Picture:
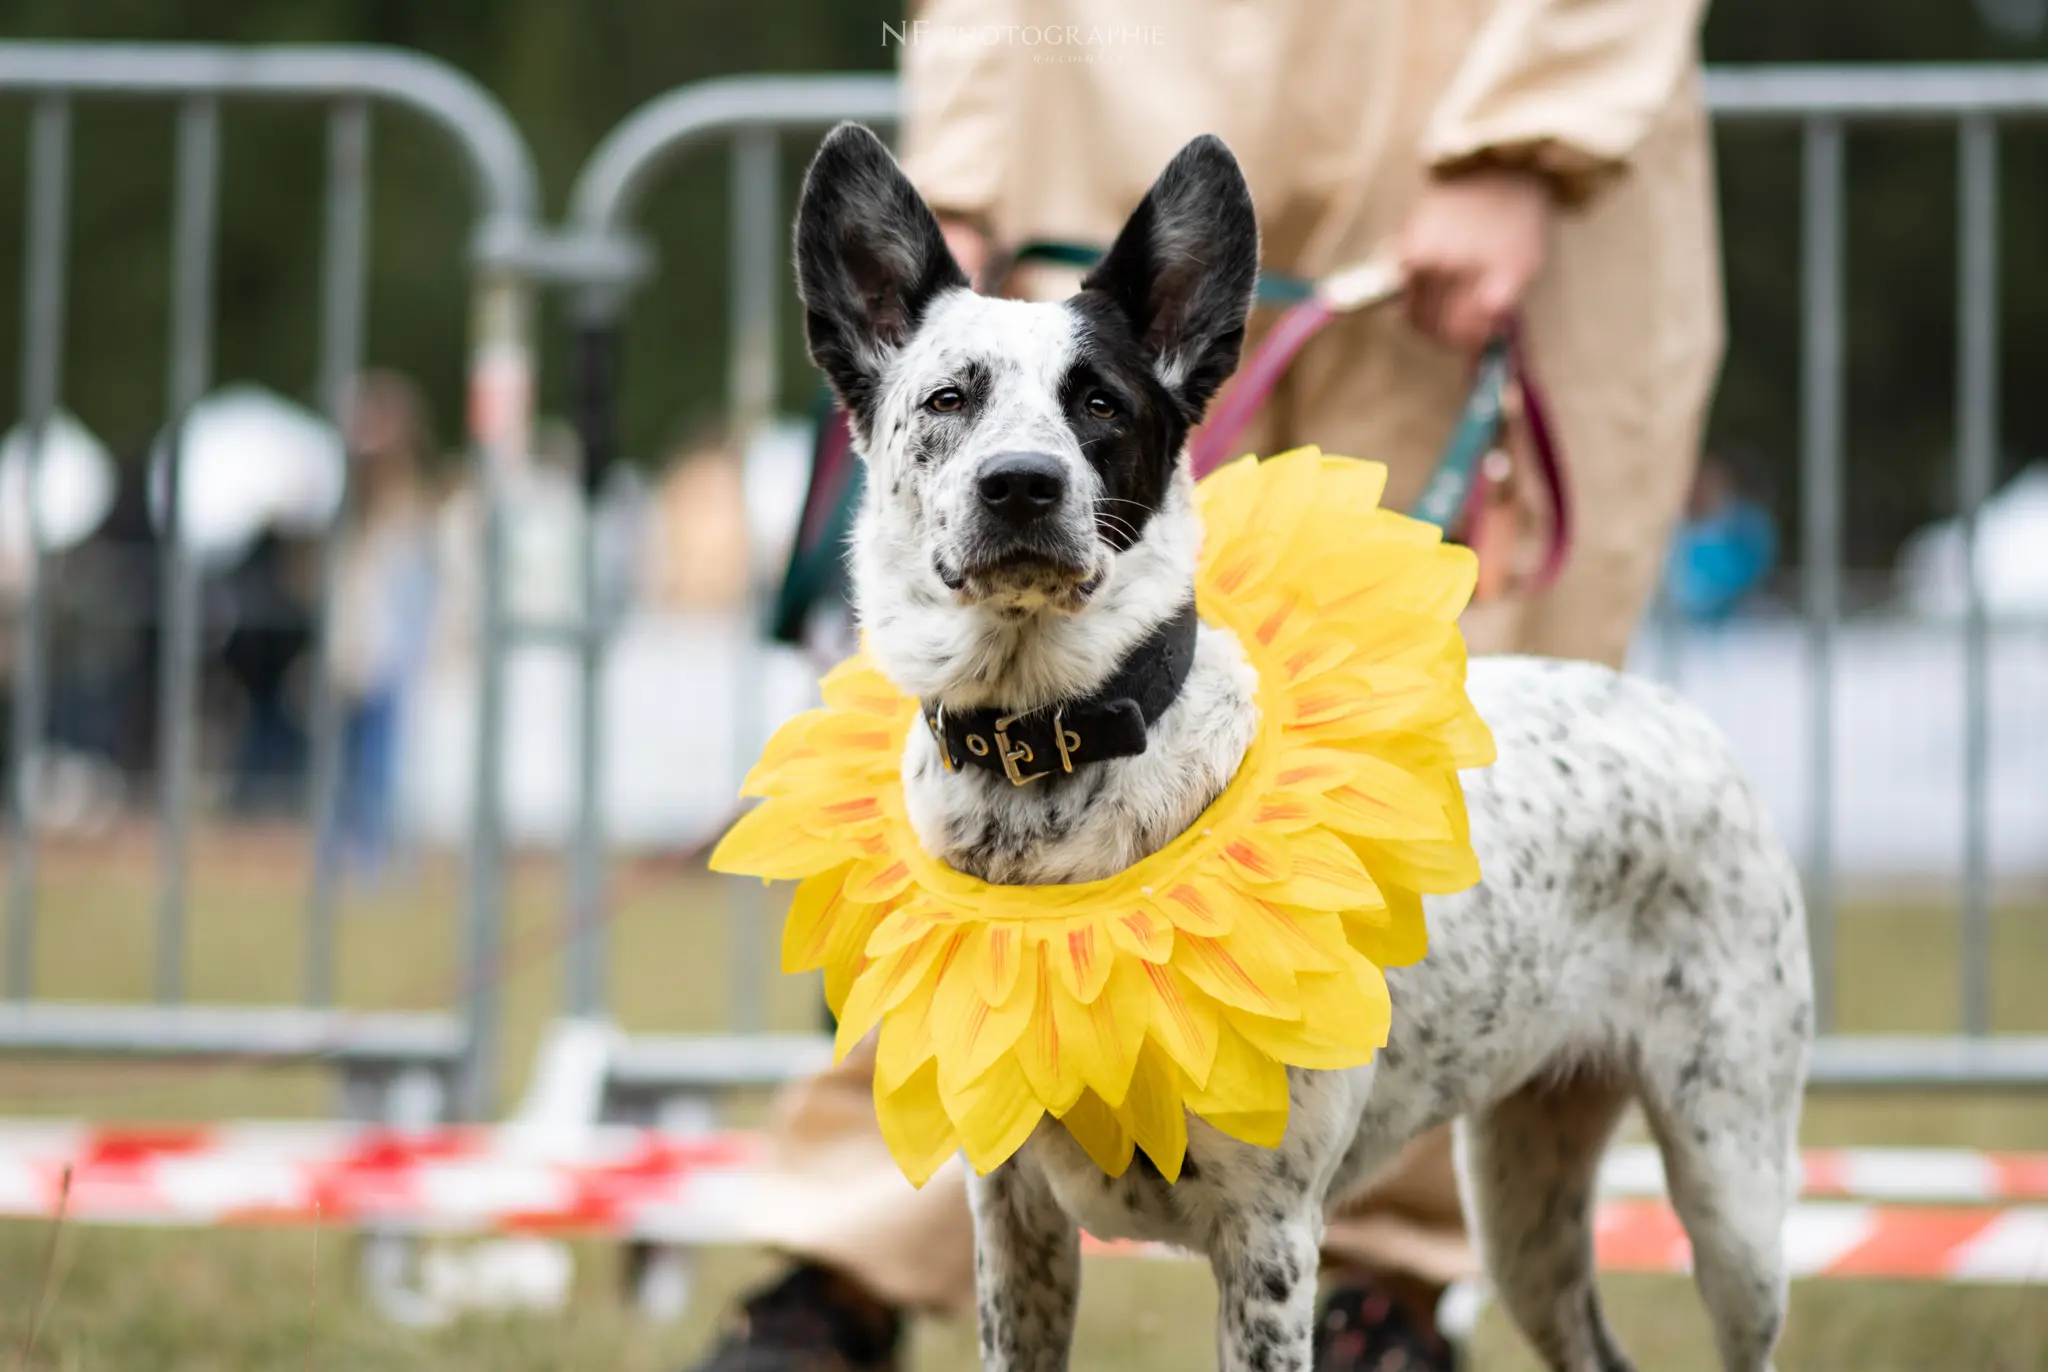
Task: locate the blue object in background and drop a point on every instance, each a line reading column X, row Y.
column 1717, row 559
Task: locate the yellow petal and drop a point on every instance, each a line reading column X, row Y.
column 1244, row 1081
column 1143, row 933
column 1327, row 875
column 996, row 953
column 1467, row 738
column 874, row 882
column 1289, row 485
column 994, row 1113
column 770, row 841
column 905, row 1043
column 851, row 929
column 1083, row 955
column 1395, row 937
column 1225, row 498
column 1434, row 868
column 1344, row 1019
column 1180, row 1019
column 885, row 984
column 1153, row 1114
column 1305, row 940
column 859, row 686
column 1383, row 801
column 1314, row 656
column 1260, row 855
column 1041, row 1049
column 1436, row 584
column 1199, row 906
column 969, row 1032
column 1100, row 1040
column 790, row 741
column 916, row 1127
column 1251, row 983
column 807, row 929
column 1101, row 1135
column 903, row 926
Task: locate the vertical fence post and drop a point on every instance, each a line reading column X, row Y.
column 500, row 421
column 341, row 350
column 596, row 410
column 191, row 365
column 42, row 356
column 1821, row 466
column 757, row 261
column 1976, row 471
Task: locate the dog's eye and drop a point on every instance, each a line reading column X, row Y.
column 945, row 401
column 1101, row 406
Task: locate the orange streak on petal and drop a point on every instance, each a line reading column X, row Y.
column 1176, row 1004
column 826, row 918
column 1252, row 858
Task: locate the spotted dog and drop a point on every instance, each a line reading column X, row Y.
column 1028, row 533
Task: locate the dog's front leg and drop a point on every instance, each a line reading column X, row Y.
column 1027, row 1271
column 1266, row 1290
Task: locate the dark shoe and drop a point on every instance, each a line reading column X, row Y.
column 1363, row 1328
column 812, row 1320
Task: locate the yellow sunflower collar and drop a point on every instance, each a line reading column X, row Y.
column 1191, row 981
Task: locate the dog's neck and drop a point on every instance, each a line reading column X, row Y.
column 971, row 657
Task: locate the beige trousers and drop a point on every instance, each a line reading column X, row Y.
column 1367, row 388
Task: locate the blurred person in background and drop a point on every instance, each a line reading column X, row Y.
column 1541, row 164
column 696, row 559
column 383, row 604
column 269, row 597
column 1726, row 546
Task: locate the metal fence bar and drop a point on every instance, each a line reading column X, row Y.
column 1911, row 92
column 1976, row 471
column 191, row 366
column 597, row 361
column 343, row 270
column 1821, row 464
column 757, row 233
column 501, row 372
column 44, row 264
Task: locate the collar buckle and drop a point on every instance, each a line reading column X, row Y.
column 1011, row 756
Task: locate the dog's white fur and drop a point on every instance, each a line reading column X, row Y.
column 1638, row 934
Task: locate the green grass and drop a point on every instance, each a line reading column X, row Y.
column 245, row 1300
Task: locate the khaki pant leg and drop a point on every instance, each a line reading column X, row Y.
column 1370, row 388
column 832, row 1194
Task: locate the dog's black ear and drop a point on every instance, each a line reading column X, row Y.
column 869, row 259
column 1184, row 268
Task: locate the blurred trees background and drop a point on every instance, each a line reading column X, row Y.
column 568, row 71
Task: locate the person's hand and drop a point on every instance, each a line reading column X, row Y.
column 1470, row 250
column 969, row 246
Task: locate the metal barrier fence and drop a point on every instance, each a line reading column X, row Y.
column 600, row 258
column 373, row 1053
column 1820, row 102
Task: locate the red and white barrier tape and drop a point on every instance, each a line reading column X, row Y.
column 1983, row 1219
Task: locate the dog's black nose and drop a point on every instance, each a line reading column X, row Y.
column 1020, row 487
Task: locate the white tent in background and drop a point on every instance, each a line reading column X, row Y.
column 75, row 486
column 2012, row 554
column 252, row 460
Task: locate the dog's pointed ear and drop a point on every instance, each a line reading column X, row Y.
column 869, row 260
column 1184, row 268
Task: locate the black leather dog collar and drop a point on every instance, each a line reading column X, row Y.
column 1053, row 741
